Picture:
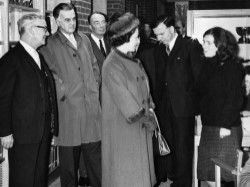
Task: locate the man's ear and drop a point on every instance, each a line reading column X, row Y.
column 172, row 29
column 90, row 27
column 30, row 30
column 57, row 21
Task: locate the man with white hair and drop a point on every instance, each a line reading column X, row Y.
column 28, row 114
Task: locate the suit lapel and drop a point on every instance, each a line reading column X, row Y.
column 25, row 56
column 174, row 51
column 96, row 49
column 66, row 41
column 107, row 46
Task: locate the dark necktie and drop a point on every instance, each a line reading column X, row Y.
column 102, row 49
column 167, row 49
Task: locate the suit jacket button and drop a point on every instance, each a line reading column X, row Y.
column 166, row 84
column 79, row 68
column 74, row 55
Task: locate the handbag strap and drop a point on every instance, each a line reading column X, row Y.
column 156, row 120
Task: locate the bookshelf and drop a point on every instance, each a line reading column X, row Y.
column 10, row 12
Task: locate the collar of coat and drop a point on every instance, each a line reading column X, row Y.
column 61, row 36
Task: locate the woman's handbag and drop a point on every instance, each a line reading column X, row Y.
column 160, row 144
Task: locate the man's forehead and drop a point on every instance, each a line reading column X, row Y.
column 160, row 28
column 39, row 22
column 97, row 17
column 67, row 14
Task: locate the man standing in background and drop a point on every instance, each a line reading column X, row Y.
column 101, row 48
column 100, row 45
column 28, row 111
column 77, row 75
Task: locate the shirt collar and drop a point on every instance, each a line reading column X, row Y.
column 32, row 52
column 172, row 42
column 67, row 35
column 97, row 39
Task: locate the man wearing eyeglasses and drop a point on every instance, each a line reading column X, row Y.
column 178, row 63
column 28, row 112
column 77, row 75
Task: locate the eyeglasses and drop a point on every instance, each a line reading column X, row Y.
column 42, row 27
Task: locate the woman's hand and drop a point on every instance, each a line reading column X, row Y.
column 224, row 132
column 150, row 126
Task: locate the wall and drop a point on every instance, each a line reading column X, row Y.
column 83, row 8
column 146, row 10
column 114, row 6
column 100, row 5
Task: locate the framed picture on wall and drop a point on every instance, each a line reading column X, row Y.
column 198, row 21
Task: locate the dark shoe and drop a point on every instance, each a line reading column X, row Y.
column 83, row 181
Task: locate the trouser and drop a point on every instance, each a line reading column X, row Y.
column 28, row 165
column 179, row 133
column 69, row 163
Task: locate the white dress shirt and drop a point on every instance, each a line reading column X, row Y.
column 97, row 42
column 172, row 42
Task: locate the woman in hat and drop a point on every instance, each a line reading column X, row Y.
column 127, row 128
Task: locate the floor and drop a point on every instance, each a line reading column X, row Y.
column 56, row 183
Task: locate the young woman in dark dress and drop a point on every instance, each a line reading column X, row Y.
column 221, row 98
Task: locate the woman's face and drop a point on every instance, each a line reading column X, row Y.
column 209, row 47
column 134, row 41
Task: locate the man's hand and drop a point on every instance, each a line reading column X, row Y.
column 224, row 132
column 150, row 123
column 7, row 141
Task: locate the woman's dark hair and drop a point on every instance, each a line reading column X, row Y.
column 122, row 29
column 225, row 42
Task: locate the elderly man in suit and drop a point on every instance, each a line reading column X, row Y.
column 178, row 63
column 27, row 106
column 77, row 75
column 101, row 47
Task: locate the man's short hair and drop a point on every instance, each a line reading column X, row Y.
column 24, row 20
column 62, row 6
column 97, row 12
column 166, row 20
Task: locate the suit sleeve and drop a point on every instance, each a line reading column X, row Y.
column 115, row 80
column 61, row 87
column 196, row 58
column 7, row 86
column 95, row 67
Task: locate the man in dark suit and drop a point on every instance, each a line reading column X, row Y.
column 177, row 66
column 100, row 45
column 28, row 113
